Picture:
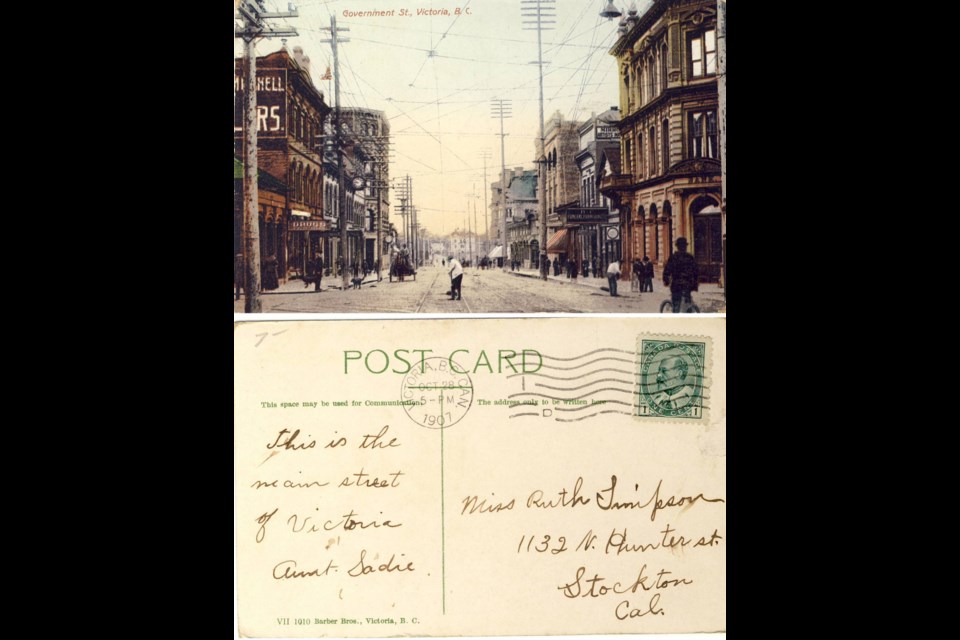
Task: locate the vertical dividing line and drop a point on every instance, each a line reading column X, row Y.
column 443, row 528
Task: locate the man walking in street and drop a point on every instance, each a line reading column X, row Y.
column 456, row 278
column 613, row 274
column 314, row 272
column 647, row 275
column 680, row 274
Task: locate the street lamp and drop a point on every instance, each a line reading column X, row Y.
column 610, row 11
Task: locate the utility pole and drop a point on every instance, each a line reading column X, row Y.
column 253, row 15
column 501, row 108
column 469, row 241
column 536, row 9
column 722, row 90
column 334, row 40
column 475, row 216
column 485, row 154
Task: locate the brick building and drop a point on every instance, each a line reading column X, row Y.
column 560, row 180
column 291, row 116
column 670, row 183
column 522, row 217
column 368, row 139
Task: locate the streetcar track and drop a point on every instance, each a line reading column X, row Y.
column 423, row 298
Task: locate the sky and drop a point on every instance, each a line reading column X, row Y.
column 439, row 105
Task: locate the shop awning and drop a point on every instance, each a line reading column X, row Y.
column 558, row 242
column 297, row 212
column 497, row 252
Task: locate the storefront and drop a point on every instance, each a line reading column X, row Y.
column 303, row 242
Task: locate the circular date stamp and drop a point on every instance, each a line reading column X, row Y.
column 437, row 394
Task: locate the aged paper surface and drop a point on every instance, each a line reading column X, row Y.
column 509, row 476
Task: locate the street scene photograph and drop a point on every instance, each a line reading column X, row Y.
column 479, row 156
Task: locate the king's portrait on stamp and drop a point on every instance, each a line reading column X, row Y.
column 671, row 378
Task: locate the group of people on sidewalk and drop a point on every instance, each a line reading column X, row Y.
column 680, row 273
column 572, row 268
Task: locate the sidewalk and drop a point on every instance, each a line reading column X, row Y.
column 709, row 298
column 297, row 286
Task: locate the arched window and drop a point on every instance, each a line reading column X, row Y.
column 656, row 238
column 663, row 68
column 665, row 144
column 652, row 76
column 640, row 174
column 652, row 139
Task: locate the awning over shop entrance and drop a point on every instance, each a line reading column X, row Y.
column 558, row 242
column 496, row 253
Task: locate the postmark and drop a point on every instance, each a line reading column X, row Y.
column 673, row 378
column 438, row 394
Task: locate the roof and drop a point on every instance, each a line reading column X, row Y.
column 264, row 180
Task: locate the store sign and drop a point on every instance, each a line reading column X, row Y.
column 271, row 102
column 592, row 215
column 608, row 132
column 307, row 225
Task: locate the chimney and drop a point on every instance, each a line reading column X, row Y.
column 305, row 63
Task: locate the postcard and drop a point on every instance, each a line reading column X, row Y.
column 479, row 156
column 483, row 476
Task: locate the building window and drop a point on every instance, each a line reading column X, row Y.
column 703, row 53
column 663, row 69
column 665, row 143
column 653, row 150
column 702, row 130
column 640, row 156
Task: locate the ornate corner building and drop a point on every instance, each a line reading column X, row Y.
column 669, row 180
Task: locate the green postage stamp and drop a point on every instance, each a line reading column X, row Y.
column 673, row 377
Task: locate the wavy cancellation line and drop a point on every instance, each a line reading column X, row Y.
column 580, row 366
column 543, row 395
column 583, row 386
column 581, row 375
column 588, row 353
column 626, row 413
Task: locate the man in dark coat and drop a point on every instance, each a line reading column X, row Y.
column 646, row 275
column 270, row 277
column 636, row 275
column 680, row 274
column 314, row 272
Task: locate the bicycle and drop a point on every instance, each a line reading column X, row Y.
column 685, row 307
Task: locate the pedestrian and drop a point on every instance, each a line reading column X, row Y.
column 636, row 276
column 613, row 274
column 586, row 268
column 680, row 274
column 647, row 275
column 238, row 273
column 271, row 280
column 596, row 271
column 556, row 266
column 456, row 278
column 574, row 269
column 314, row 272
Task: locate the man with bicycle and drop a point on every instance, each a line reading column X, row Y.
column 680, row 274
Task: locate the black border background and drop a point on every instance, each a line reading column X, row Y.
column 181, row 307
